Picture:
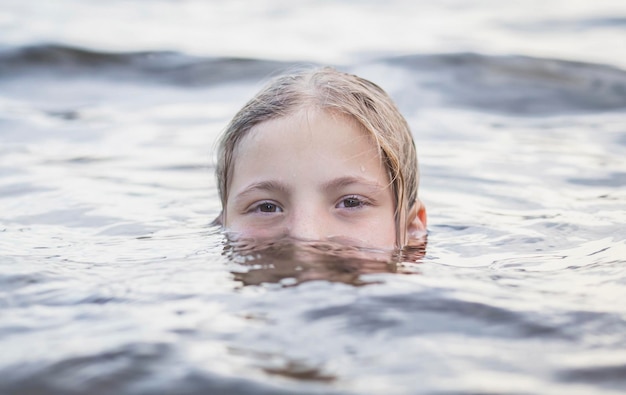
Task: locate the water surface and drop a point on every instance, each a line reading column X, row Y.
column 113, row 281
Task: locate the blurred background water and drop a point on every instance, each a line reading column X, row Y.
column 112, row 281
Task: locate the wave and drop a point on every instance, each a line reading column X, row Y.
column 517, row 84
column 514, row 84
column 156, row 66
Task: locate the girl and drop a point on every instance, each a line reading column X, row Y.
column 321, row 155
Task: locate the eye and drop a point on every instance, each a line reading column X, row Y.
column 267, row 207
column 351, row 202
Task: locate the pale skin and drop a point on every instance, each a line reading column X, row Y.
column 314, row 175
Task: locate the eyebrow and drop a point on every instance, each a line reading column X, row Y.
column 342, row 182
column 337, row 183
column 268, row 186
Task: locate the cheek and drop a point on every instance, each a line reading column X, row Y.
column 246, row 226
column 385, row 233
column 375, row 233
column 242, row 228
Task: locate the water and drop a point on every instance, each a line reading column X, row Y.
column 113, row 281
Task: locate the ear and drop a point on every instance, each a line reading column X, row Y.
column 416, row 222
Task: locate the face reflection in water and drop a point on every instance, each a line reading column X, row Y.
column 291, row 262
column 312, row 175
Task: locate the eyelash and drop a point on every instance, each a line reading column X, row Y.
column 359, row 200
column 257, row 207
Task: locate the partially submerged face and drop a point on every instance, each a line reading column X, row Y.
column 312, row 175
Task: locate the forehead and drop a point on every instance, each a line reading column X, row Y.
column 309, row 125
column 329, row 142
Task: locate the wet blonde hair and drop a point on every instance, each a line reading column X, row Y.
column 340, row 93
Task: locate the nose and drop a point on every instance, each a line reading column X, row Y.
column 308, row 225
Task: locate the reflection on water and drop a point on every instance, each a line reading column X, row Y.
column 289, row 261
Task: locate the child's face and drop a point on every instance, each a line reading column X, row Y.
column 312, row 175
